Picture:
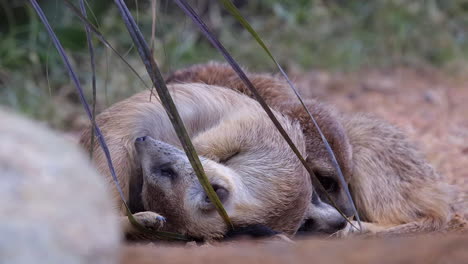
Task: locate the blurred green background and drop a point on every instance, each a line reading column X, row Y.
column 334, row 35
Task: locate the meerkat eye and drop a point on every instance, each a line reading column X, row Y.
column 328, row 182
column 165, row 170
column 226, row 159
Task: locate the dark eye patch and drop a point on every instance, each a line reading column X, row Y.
column 165, row 170
column 330, row 184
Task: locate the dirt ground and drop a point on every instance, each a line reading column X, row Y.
column 418, row 250
column 429, row 106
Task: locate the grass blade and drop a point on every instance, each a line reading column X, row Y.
column 101, row 38
column 93, row 77
column 153, row 25
column 169, row 106
column 97, row 130
column 215, row 42
column 236, row 13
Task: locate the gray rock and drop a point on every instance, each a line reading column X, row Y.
column 54, row 207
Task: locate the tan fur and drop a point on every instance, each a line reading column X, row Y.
column 390, row 181
column 392, row 184
column 263, row 176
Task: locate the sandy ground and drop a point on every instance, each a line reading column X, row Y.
column 429, row 106
column 417, row 250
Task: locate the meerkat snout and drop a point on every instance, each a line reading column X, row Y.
column 321, row 218
column 157, row 157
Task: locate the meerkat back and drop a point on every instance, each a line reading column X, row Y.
column 392, row 183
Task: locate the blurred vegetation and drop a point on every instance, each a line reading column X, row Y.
column 327, row 34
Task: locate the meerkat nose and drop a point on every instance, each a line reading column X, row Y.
column 140, row 139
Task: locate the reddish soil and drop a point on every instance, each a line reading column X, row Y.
column 421, row 249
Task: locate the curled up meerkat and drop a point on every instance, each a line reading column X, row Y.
column 254, row 172
column 395, row 189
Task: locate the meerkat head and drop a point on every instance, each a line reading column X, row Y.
column 318, row 157
column 171, row 188
column 248, row 190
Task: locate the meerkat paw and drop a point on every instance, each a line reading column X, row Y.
column 150, row 220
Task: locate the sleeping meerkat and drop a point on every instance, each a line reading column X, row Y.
column 393, row 186
column 252, row 169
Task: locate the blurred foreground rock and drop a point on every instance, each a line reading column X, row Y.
column 54, row 207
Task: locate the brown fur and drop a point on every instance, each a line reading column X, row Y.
column 261, row 176
column 390, row 181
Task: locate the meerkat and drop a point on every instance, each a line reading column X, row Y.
column 395, row 189
column 251, row 168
